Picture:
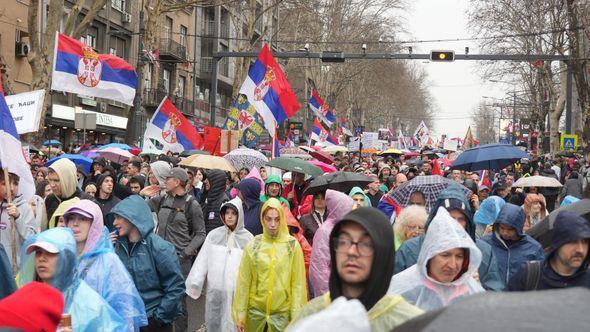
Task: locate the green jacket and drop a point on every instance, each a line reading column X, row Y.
column 274, row 179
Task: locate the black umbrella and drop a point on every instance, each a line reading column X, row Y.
column 550, row 310
column 542, row 230
column 340, row 181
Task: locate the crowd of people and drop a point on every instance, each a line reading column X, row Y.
column 120, row 247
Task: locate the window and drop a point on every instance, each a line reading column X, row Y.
column 166, row 80
column 89, row 40
column 183, row 33
column 118, row 5
column 113, row 51
column 181, row 85
column 149, row 69
column 168, row 28
column 118, row 46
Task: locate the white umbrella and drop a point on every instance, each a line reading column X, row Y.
column 246, row 158
column 537, row 181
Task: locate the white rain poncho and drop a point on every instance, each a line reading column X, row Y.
column 414, row 284
column 219, row 262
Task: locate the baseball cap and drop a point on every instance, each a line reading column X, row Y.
column 77, row 210
column 49, row 247
column 178, row 173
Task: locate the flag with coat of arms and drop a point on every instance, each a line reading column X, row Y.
column 242, row 116
column 321, row 109
column 321, row 135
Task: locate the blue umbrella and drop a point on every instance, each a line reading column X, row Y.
column 488, row 157
column 75, row 158
column 52, row 142
column 116, row 145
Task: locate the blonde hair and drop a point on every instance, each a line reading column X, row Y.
column 412, row 213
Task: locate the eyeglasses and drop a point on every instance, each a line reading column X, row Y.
column 342, row 245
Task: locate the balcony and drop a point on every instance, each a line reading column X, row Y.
column 153, row 97
column 210, row 28
column 171, row 50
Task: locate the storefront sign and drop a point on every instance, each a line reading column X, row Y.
column 26, row 110
column 107, row 120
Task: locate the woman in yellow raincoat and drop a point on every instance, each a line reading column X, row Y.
column 271, row 287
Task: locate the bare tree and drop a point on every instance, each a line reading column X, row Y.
column 483, row 118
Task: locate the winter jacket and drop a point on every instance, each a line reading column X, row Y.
column 489, row 272
column 571, row 187
column 151, row 262
column 549, row 193
column 511, row 255
column 250, row 189
column 180, row 221
column 296, row 232
column 338, row 205
column 26, row 225
column 418, row 287
column 271, row 288
column 7, row 284
column 218, row 264
column 296, row 201
column 567, row 227
column 105, row 204
column 215, row 198
column 274, row 179
column 88, row 310
column 103, row 271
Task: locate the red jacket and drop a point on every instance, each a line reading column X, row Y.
column 292, row 222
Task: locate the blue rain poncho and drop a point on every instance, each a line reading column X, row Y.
column 100, row 267
column 487, row 213
column 358, row 190
column 89, row 311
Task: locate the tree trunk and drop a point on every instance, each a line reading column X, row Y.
column 557, row 111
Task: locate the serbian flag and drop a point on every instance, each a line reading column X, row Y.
column 12, row 157
column 345, row 129
column 77, row 68
column 268, row 90
column 321, row 109
column 321, row 135
column 169, row 127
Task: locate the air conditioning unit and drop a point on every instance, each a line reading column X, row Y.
column 102, row 106
column 22, row 49
column 126, row 17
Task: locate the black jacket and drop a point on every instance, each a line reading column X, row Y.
column 52, row 201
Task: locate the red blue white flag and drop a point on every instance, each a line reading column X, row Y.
column 269, row 91
column 77, row 68
column 321, row 135
column 321, row 109
column 344, row 127
column 169, row 127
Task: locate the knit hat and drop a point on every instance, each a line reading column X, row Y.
column 41, row 314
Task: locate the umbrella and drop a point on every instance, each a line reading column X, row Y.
column 309, row 149
column 322, row 156
column 340, row 181
column 188, row 153
column 295, row 165
column 92, row 153
column 542, row 230
column 430, row 185
column 325, row 167
column 75, row 158
column 410, row 154
column 248, row 158
column 497, row 311
column 391, row 152
column 52, row 142
column 487, row 157
column 152, row 152
column 537, row 181
column 335, row 148
column 116, row 145
column 115, row 155
column 292, row 151
column 207, row 162
column 135, row 150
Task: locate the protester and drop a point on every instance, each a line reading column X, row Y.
column 373, row 192
column 273, row 188
column 159, row 170
column 7, row 284
column 136, row 184
column 510, row 245
column 293, row 192
column 99, row 266
column 43, row 189
column 105, row 197
column 216, row 197
column 151, row 261
column 455, row 201
column 572, row 186
column 216, row 265
column 487, row 213
column 566, row 265
column 409, row 224
column 270, row 291
column 359, row 197
column 249, row 193
column 287, row 179
column 50, row 257
column 296, row 232
column 534, row 210
column 338, row 205
column 550, row 193
column 20, row 312
column 315, row 206
column 446, row 266
column 417, row 198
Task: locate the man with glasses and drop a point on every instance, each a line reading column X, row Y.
column 362, row 257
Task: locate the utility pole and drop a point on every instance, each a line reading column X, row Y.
column 514, row 115
column 137, row 115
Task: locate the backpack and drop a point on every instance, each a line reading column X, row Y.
column 188, row 200
column 533, row 275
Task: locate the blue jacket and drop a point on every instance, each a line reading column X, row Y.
column 511, row 255
column 152, row 262
column 250, row 189
column 489, row 274
column 7, row 283
column 567, row 227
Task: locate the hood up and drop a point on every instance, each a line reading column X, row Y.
column 453, row 192
column 255, row 174
column 274, row 179
column 250, row 189
column 239, row 237
column 569, row 227
column 338, row 204
column 358, row 190
column 136, row 210
column 85, row 207
column 489, row 210
column 67, row 172
column 160, row 169
column 61, row 209
column 513, row 216
column 283, row 234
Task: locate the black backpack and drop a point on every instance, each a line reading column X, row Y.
column 533, row 275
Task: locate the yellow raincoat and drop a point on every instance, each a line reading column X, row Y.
column 271, row 287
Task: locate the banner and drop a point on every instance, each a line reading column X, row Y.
column 422, row 133
column 25, row 109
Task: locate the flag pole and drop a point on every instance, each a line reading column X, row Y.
column 273, row 147
column 12, row 222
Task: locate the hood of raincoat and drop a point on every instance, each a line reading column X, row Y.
column 489, row 210
column 215, row 197
column 136, row 211
column 567, row 200
column 235, row 203
column 61, row 238
column 377, row 225
column 61, row 209
column 358, row 190
column 85, row 207
column 569, row 227
column 161, row 169
column 513, row 216
column 224, row 236
column 445, row 233
column 338, row 204
column 68, row 180
column 255, row 174
column 274, row 179
column 453, row 192
column 283, row 234
column 250, row 189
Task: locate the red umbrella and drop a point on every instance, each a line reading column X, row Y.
column 325, row 167
column 135, row 151
column 322, row 156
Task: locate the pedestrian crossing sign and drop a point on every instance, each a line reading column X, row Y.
column 569, row 142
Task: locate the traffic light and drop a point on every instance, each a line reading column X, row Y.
column 442, row 56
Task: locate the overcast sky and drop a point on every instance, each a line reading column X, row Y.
column 456, row 87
